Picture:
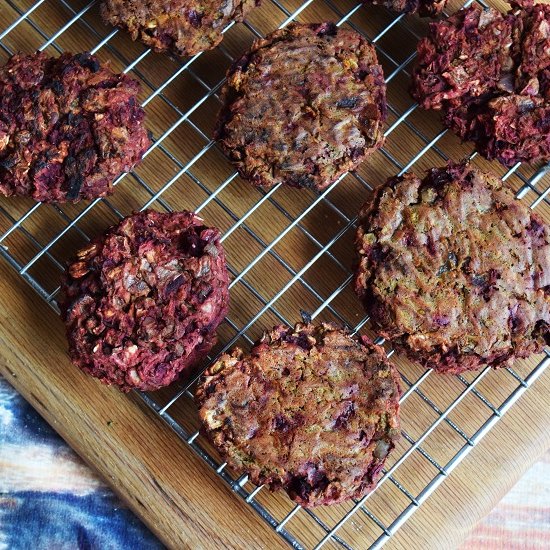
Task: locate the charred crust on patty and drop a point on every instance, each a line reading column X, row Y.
column 68, row 127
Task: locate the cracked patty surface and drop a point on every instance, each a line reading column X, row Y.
column 303, row 106
column 454, row 270
column 489, row 74
column 425, row 8
column 183, row 27
column 311, row 410
column 68, row 127
column 142, row 302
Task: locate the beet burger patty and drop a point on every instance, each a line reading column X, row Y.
column 303, row 106
column 454, row 270
column 68, row 127
column 489, row 75
column 142, row 302
column 424, row 8
column 311, row 410
column 182, row 27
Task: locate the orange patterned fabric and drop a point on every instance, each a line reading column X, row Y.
column 521, row 520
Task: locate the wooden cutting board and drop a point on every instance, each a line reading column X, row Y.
column 175, row 494
column 173, row 491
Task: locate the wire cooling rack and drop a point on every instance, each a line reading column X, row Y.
column 288, row 250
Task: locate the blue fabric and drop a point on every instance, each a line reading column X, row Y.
column 31, row 518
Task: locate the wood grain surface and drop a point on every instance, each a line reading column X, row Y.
column 176, row 495
column 300, row 244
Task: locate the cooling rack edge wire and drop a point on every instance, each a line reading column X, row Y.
column 329, row 528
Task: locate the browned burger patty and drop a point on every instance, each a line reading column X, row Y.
column 68, row 127
column 489, row 74
column 142, row 302
column 312, row 410
column 425, row 8
column 183, row 27
column 454, row 270
column 303, row 106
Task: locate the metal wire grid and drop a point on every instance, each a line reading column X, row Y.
column 330, row 533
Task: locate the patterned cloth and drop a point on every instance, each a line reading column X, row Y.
column 50, row 499
column 521, row 520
